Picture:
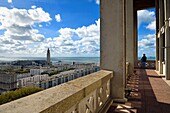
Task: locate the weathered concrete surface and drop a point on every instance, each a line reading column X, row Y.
column 161, row 22
column 167, row 39
column 130, row 35
column 112, row 44
column 157, row 30
column 135, row 39
column 60, row 98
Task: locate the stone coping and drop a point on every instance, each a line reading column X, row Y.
column 60, row 98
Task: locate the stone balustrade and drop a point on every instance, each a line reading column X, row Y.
column 150, row 64
column 127, row 68
column 127, row 72
column 88, row 94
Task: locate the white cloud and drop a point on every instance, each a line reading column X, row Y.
column 33, row 7
column 152, row 26
column 150, row 36
column 9, row 1
column 145, row 16
column 40, row 25
column 83, row 41
column 18, row 23
column 147, row 42
column 21, row 38
column 58, row 18
column 19, row 33
column 147, row 45
column 98, row 2
column 22, row 17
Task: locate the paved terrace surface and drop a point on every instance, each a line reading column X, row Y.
column 150, row 94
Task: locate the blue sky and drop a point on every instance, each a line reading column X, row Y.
column 146, row 32
column 70, row 28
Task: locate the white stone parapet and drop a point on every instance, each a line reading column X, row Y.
column 86, row 94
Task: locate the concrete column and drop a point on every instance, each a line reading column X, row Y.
column 157, row 30
column 161, row 22
column 112, row 44
column 129, row 35
column 157, row 53
column 135, row 39
column 167, row 39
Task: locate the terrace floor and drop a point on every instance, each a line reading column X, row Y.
column 150, row 94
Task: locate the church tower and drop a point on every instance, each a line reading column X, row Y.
column 48, row 56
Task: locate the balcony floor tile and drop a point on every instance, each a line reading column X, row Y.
column 150, row 94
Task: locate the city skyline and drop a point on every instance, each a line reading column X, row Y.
column 68, row 28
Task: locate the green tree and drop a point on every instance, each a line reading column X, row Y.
column 13, row 95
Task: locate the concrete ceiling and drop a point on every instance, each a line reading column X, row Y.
column 143, row 4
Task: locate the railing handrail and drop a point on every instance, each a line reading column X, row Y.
column 150, row 64
column 60, row 98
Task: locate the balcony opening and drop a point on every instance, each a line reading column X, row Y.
column 146, row 33
column 46, row 43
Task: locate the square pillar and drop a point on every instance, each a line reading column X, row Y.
column 130, row 35
column 161, row 22
column 167, row 39
column 112, row 44
column 135, row 43
column 157, row 30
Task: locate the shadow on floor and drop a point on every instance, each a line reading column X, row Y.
column 150, row 94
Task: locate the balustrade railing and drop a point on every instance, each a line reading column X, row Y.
column 88, row 94
column 150, row 64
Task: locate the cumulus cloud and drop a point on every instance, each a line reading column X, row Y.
column 33, row 7
column 40, row 25
column 58, row 18
column 22, row 17
column 19, row 32
column 18, row 23
column 148, row 41
column 9, row 1
column 152, row 26
column 86, row 43
column 150, row 36
column 21, row 38
column 145, row 16
column 98, row 2
column 147, row 45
